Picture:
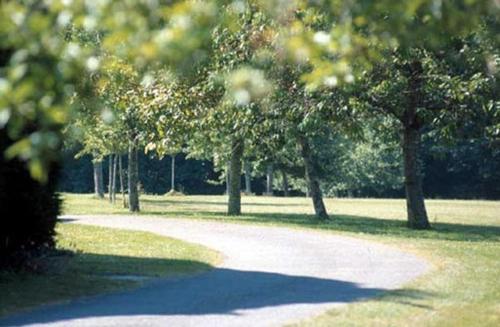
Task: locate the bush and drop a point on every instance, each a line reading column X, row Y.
column 28, row 212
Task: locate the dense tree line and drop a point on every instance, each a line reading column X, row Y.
column 466, row 170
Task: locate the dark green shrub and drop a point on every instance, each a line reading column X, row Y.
column 28, row 213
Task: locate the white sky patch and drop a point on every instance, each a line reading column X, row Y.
column 92, row 64
column 322, row 38
column 107, row 116
column 73, row 50
column 331, row 81
column 18, row 18
column 89, row 23
column 242, row 97
column 64, row 18
column 4, row 86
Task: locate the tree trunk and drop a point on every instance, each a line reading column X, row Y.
column 113, row 184
column 415, row 205
column 248, row 178
column 133, row 178
column 110, row 178
column 234, row 202
column 312, row 179
column 98, row 180
column 172, row 175
column 228, row 173
column 285, row 183
column 122, row 184
column 269, row 179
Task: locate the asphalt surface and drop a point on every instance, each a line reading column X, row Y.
column 270, row 276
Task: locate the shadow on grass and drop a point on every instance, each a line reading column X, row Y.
column 165, row 202
column 221, row 291
column 68, row 275
column 353, row 224
column 407, row 296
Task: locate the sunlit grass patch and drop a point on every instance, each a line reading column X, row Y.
column 90, row 261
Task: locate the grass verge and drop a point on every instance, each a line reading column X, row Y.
column 462, row 290
column 89, row 261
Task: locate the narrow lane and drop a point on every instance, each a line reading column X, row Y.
column 270, row 276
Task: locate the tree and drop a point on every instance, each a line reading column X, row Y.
column 98, row 179
column 122, row 90
column 248, row 177
column 230, row 95
column 422, row 92
column 354, row 35
column 300, row 115
column 367, row 164
column 269, row 179
column 31, row 117
column 168, row 118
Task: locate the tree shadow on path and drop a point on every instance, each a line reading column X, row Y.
column 220, row 291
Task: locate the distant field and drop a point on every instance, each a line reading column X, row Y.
column 278, row 210
column 464, row 246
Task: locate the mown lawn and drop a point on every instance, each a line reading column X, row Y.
column 94, row 260
column 463, row 289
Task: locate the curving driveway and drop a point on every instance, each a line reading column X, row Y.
column 270, row 276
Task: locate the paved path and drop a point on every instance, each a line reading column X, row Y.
column 270, row 276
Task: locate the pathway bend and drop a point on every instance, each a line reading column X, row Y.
column 270, row 276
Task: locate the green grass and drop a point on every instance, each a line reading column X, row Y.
column 464, row 247
column 91, row 257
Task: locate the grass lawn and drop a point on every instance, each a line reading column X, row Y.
column 98, row 256
column 462, row 290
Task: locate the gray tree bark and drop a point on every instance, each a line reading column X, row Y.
column 98, row 180
column 122, row 184
column 172, row 175
column 113, row 183
column 248, row 177
column 133, row 178
column 312, row 179
column 285, row 183
column 269, row 179
column 415, row 203
column 110, row 178
column 228, row 174
column 234, row 202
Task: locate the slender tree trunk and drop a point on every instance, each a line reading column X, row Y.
column 228, row 174
column 248, row 177
column 285, row 183
column 234, row 202
column 113, row 188
column 312, row 179
column 269, row 179
column 172, row 176
column 122, row 184
column 133, row 178
column 110, row 178
column 98, row 180
column 415, row 205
